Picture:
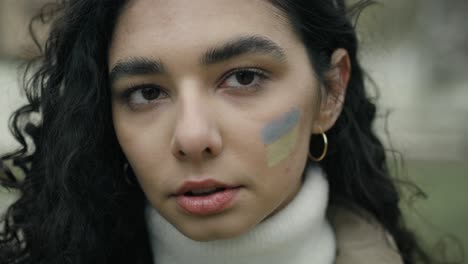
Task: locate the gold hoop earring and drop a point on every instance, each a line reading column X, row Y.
column 325, row 149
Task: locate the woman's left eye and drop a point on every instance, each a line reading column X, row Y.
column 244, row 79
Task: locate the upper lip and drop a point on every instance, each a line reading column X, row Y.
column 193, row 185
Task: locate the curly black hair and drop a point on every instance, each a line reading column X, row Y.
column 75, row 205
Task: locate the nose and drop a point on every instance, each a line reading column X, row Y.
column 196, row 135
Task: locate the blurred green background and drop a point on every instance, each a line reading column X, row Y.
column 442, row 216
column 416, row 51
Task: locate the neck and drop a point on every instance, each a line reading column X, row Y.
column 297, row 234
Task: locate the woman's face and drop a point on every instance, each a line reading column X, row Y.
column 212, row 95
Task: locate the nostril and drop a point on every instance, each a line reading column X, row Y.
column 208, row 150
column 181, row 153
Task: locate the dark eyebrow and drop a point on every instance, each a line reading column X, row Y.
column 233, row 48
column 136, row 66
column 240, row 46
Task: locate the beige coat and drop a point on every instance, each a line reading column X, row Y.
column 361, row 240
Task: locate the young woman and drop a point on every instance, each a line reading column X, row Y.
column 210, row 131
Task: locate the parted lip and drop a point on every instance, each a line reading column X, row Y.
column 193, row 185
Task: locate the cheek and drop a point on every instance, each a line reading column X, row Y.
column 125, row 135
column 134, row 142
column 280, row 137
column 144, row 155
column 139, row 134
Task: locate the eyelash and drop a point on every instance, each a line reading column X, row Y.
column 261, row 74
column 258, row 73
column 130, row 91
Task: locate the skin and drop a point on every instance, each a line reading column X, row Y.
column 280, row 136
column 206, row 126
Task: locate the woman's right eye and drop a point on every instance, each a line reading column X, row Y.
column 141, row 95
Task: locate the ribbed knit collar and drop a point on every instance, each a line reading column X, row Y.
column 298, row 234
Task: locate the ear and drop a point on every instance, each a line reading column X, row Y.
column 336, row 81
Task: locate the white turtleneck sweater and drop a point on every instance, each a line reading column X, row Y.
column 298, row 234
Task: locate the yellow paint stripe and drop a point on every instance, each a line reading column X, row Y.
column 282, row 148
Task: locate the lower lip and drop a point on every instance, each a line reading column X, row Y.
column 208, row 204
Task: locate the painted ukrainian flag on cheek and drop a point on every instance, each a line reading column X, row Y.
column 280, row 137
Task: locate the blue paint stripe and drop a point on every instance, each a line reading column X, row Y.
column 279, row 127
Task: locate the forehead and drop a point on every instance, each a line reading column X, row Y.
column 161, row 27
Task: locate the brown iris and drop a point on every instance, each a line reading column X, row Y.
column 150, row 93
column 245, row 77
